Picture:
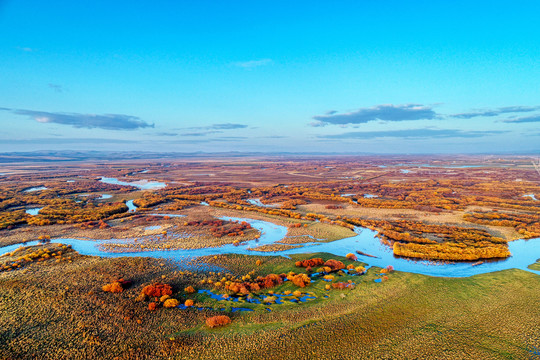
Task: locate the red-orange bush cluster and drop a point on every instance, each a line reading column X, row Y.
column 219, row 320
column 157, row 290
column 309, row 262
column 332, row 206
column 93, row 224
column 266, row 282
column 220, row 228
column 334, row 264
column 342, row 285
column 297, row 225
column 205, row 223
column 116, row 286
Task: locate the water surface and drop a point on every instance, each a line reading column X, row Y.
column 37, row 188
column 524, row 252
column 33, row 211
column 141, row 184
column 257, row 202
column 153, row 227
column 131, row 207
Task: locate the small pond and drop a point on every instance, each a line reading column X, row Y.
column 257, row 202
column 33, row 211
column 141, row 184
column 37, row 188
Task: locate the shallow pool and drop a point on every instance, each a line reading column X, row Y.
column 33, row 211
column 141, row 184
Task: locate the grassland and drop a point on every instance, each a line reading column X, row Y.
column 53, row 310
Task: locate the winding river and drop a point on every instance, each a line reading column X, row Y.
column 524, row 252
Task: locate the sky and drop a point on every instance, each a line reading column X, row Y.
column 363, row 76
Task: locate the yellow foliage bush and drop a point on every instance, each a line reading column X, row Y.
column 170, row 303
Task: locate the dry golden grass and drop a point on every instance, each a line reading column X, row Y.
column 447, row 218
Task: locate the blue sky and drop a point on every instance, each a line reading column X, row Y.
column 295, row 76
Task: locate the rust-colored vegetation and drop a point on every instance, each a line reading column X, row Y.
column 334, row 265
column 261, row 282
column 217, row 321
column 157, row 290
column 310, row 262
column 220, row 228
column 116, row 286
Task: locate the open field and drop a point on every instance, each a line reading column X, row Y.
column 58, row 310
column 56, row 303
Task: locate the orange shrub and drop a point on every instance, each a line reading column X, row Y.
column 189, row 289
column 157, row 290
column 170, row 303
column 300, row 280
column 189, row 302
column 152, row 306
column 219, row 320
column 116, row 286
column 340, row 285
column 309, row 262
column 334, row 264
column 265, row 282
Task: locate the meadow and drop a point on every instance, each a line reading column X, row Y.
column 55, row 310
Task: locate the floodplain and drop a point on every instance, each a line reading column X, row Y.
column 245, row 257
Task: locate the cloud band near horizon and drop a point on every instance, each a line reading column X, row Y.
column 89, row 121
column 386, row 112
column 412, row 134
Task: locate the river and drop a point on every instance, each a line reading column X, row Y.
column 524, row 252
